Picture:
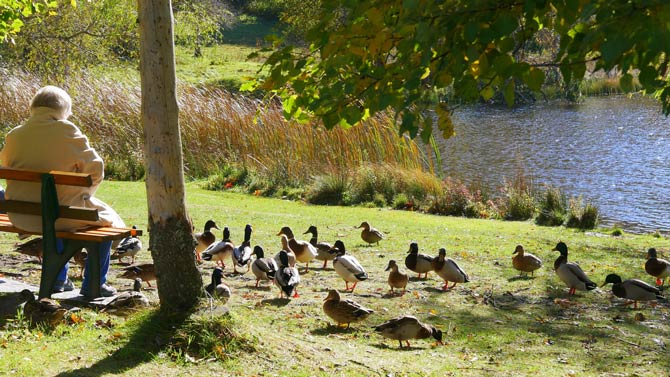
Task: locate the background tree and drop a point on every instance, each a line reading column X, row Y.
column 198, row 23
column 171, row 239
column 368, row 56
column 86, row 34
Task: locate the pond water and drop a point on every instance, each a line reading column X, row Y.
column 614, row 151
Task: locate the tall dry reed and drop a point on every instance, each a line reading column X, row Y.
column 218, row 129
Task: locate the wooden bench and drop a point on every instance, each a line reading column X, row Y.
column 90, row 238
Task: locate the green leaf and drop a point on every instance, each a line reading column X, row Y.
column 506, row 24
column 626, row 82
column 648, row 77
column 487, row 92
column 508, row 93
column 444, row 122
column 535, row 79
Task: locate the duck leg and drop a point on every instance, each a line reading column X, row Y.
column 325, row 263
column 347, row 283
column 353, row 287
column 453, row 285
column 572, row 291
column 295, row 293
column 445, row 286
column 659, row 282
column 257, row 281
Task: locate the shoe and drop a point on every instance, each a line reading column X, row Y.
column 63, row 286
column 106, row 290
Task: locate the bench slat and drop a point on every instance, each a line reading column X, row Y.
column 60, row 177
column 67, row 212
column 95, row 234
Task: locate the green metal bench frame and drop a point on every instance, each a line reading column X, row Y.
column 90, row 238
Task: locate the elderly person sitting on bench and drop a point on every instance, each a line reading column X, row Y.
column 48, row 141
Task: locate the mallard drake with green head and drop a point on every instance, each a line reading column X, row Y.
column 525, row 262
column 570, row 273
column 217, row 288
column 205, row 238
column 657, row 267
column 418, row 262
column 143, row 271
column 407, row 327
column 44, row 310
column 370, row 234
column 396, row 278
column 632, row 289
column 130, row 246
column 287, row 278
column 263, row 268
column 220, row 251
column 324, row 250
column 348, row 267
column 304, row 251
column 242, row 253
column 344, row 311
column 448, row 270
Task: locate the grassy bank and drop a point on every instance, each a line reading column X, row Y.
column 498, row 324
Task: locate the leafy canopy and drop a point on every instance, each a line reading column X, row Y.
column 12, row 12
column 369, row 56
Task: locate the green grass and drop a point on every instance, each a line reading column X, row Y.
column 498, row 324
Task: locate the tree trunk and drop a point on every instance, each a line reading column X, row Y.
column 171, row 233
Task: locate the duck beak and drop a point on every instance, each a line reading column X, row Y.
column 280, row 233
column 388, row 267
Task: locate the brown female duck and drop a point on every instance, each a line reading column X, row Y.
column 344, row 311
column 143, row 271
column 396, row 278
column 304, row 251
column 525, row 262
column 407, row 327
column 370, row 234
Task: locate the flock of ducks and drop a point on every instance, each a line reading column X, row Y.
column 281, row 270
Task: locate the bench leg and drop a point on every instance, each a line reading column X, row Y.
column 97, row 265
column 52, row 264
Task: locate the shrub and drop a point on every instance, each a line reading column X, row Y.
column 582, row 216
column 617, row 232
column 551, row 208
column 455, row 200
column 379, row 200
column 401, row 201
column 328, row 189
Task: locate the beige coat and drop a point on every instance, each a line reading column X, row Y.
column 46, row 143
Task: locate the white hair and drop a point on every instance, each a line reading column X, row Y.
column 55, row 98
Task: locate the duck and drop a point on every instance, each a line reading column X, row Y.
column 304, row 251
column 242, row 254
column 525, row 262
column 287, row 278
column 370, row 234
column 344, row 311
column 570, row 273
column 42, row 311
column 79, row 258
column 396, row 278
column 32, row 248
column 129, row 299
column 657, row 267
column 324, row 250
column 144, row 271
column 285, row 247
column 263, row 268
column 407, row 327
column 220, row 251
column 632, row 289
column 129, row 247
column 448, row 270
column 205, row 238
column 217, row 288
column 418, row 262
column 348, row 267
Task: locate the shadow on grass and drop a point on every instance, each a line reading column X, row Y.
column 151, row 336
column 276, row 301
column 332, row 329
column 521, row 277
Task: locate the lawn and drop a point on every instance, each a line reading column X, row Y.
column 497, row 324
